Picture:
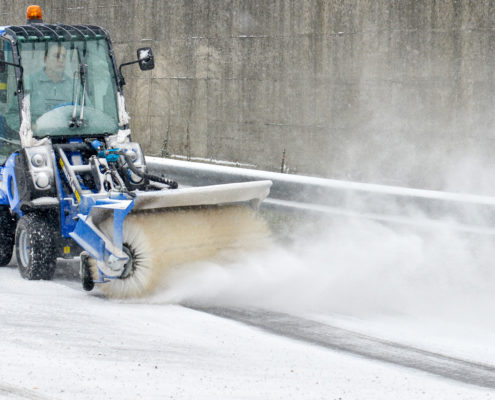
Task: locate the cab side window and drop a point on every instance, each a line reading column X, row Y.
column 9, row 110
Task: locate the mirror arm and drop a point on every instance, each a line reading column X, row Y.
column 121, row 76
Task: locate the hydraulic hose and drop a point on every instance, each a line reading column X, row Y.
column 86, row 146
column 169, row 182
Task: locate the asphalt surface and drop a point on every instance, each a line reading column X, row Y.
column 358, row 344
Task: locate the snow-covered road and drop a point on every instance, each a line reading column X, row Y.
column 426, row 291
column 58, row 342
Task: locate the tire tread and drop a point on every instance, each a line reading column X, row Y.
column 41, row 236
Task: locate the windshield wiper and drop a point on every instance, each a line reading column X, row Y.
column 73, row 122
column 83, row 71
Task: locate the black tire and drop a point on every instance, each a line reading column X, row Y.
column 35, row 246
column 7, row 235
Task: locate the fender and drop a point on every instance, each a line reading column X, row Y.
column 4, row 201
column 9, row 194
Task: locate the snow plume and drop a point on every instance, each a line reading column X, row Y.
column 357, row 268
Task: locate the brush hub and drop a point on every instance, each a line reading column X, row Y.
column 129, row 266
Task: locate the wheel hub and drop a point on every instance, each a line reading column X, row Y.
column 24, row 248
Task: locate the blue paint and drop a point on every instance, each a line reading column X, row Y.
column 11, row 190
column 88, row 238
column 96, row 144
column 92, row 239
column 118, row 224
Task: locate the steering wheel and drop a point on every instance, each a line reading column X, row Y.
column 62, row 105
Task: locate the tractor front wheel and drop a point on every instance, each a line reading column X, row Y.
column 35, row 246
column 7, row 235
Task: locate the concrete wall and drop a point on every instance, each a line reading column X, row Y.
column 390, row 91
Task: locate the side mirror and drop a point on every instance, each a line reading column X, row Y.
column 2, row 62
column 146, row 59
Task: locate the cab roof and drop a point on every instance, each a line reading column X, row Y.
column 40, row 32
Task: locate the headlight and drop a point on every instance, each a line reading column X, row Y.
column 40, row 166
column 42, row 180
column 38, row 160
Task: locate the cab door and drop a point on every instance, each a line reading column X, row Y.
column 9, row 109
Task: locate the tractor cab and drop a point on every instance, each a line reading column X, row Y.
column 59, row 81
column 69, row 86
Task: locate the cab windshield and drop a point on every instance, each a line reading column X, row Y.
column 71, row 87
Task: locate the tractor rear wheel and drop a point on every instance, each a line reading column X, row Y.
column 35, row 246
column 7, row 235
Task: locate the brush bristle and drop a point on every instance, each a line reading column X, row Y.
column 165, row 239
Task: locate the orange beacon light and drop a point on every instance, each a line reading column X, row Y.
column 34, row 14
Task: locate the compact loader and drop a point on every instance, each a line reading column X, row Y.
column 73, row 183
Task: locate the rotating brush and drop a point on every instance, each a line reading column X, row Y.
column 159, row 241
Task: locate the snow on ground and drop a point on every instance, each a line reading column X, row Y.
column 432, row 290
column 58, row 342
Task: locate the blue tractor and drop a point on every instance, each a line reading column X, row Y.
column 74, row 184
